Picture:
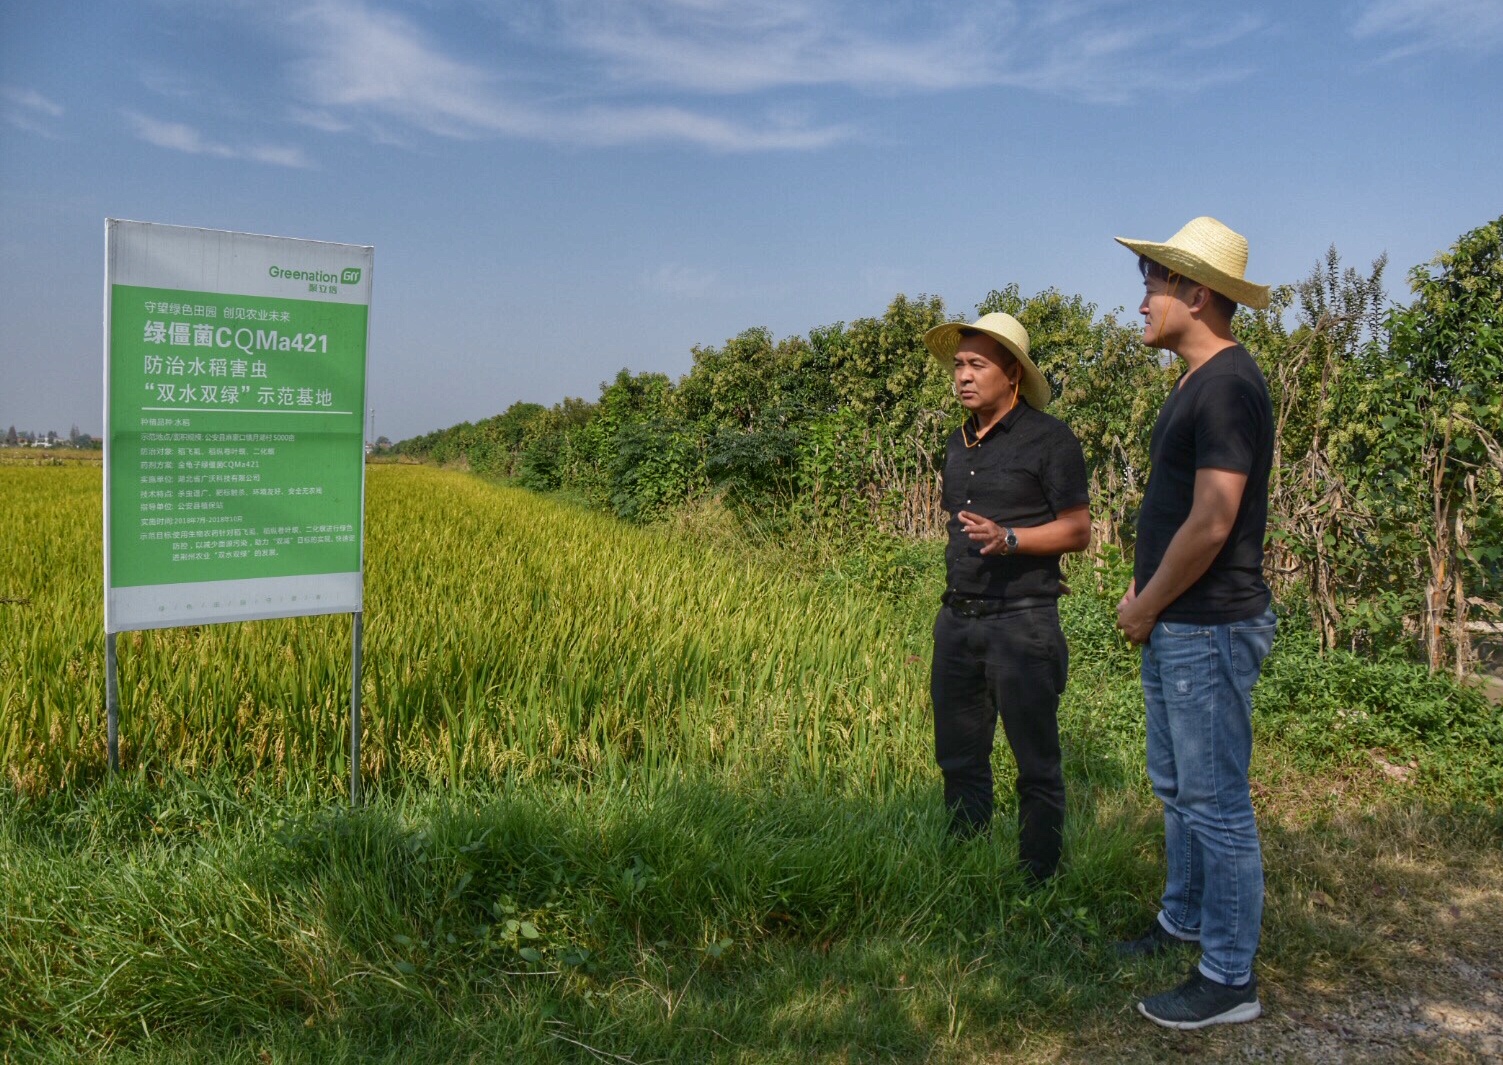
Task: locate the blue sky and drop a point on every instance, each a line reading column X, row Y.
column 556, row 189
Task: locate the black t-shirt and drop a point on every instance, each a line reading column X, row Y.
column 1219, row 417
column 1022, row 473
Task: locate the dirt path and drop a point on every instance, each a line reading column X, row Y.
column 1404, row 963
column 1449, row 1010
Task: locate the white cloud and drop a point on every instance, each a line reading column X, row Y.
column 323, row 121
column 1472, row 26
column 725, row 75
column 1091, row 50
column 29, row 110
column 180, row 137
column 363, row 59
column 277, row 155
column 381, row 66
column 764, row 44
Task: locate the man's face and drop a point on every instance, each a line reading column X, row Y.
column 1165, row 313
column 985, row 375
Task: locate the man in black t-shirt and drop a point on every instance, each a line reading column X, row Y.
column 1015, row 489
column 1199, row 608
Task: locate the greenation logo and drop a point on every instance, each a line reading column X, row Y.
column 351, row 276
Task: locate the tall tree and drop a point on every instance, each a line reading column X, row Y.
column 1321, row 497
column 1445, row 370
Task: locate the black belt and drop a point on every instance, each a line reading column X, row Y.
column 982, row 608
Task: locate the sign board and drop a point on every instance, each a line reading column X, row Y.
column 234, row 443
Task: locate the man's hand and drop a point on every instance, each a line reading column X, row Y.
column 983, row 531
column 1130, row 617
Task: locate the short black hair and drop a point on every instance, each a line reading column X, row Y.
column 1159, row 272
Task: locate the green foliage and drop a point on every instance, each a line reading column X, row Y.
column 881, row 370
column 491, row 447
column 1343, row 708
column 653, row 468
column 1423, row 448
column 753, row 467
column 551, row 455
column 1386, row 509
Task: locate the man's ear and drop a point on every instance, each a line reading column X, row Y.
column 1200, row 298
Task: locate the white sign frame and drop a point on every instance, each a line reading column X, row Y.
column 162, row 256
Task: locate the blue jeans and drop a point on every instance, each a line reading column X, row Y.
column 1197, row 683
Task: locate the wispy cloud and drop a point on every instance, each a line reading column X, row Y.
column 1091, row 50
column 724, row 75
column 29, row 110
column 381, row 66
column 180, row 137
column 1414, row 26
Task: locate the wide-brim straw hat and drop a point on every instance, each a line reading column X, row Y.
column 1006, row 330
column 1209, row 253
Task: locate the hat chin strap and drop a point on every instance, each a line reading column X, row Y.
column 1017, row 389
column 1173, row 287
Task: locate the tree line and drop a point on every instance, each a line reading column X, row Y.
column 1385, row 514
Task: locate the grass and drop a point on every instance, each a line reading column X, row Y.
column 638, row 796
column 195, row 919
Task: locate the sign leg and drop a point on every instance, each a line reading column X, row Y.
column 111, row 702
column 355, row 711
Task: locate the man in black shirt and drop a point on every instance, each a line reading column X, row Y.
column 1199, row 608
column 1015, row 489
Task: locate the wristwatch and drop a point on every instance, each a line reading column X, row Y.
column 1009, row 541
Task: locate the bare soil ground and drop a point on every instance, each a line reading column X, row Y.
column 1393, row 952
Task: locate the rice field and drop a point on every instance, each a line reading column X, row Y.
column 506, row 636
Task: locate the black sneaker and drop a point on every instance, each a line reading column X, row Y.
column 1199, row 1002
column 1152, row 943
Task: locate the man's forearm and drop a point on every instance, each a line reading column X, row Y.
column 1071, row 531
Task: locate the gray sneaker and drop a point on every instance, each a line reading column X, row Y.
column 1152, row 943
column 1199, row 1002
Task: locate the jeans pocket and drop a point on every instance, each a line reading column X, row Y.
column 1251, row 641
column 1184, row 656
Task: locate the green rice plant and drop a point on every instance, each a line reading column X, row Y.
column 505, row 634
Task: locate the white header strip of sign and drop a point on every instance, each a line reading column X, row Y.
column 243, row 264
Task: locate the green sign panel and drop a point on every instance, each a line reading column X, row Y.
column 235, row 426
column 232, row 439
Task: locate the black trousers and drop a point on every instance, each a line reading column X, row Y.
column 1011, row 665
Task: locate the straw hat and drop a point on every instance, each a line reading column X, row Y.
column 1006, row 330
column 1209, row 253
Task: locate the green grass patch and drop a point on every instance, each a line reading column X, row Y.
column 693, row 922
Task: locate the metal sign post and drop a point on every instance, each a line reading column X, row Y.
column 355, row 637
column 112, row 703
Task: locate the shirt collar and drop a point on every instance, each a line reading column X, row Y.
column 1008, row 420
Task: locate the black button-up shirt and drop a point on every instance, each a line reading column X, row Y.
column 1023, row 473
